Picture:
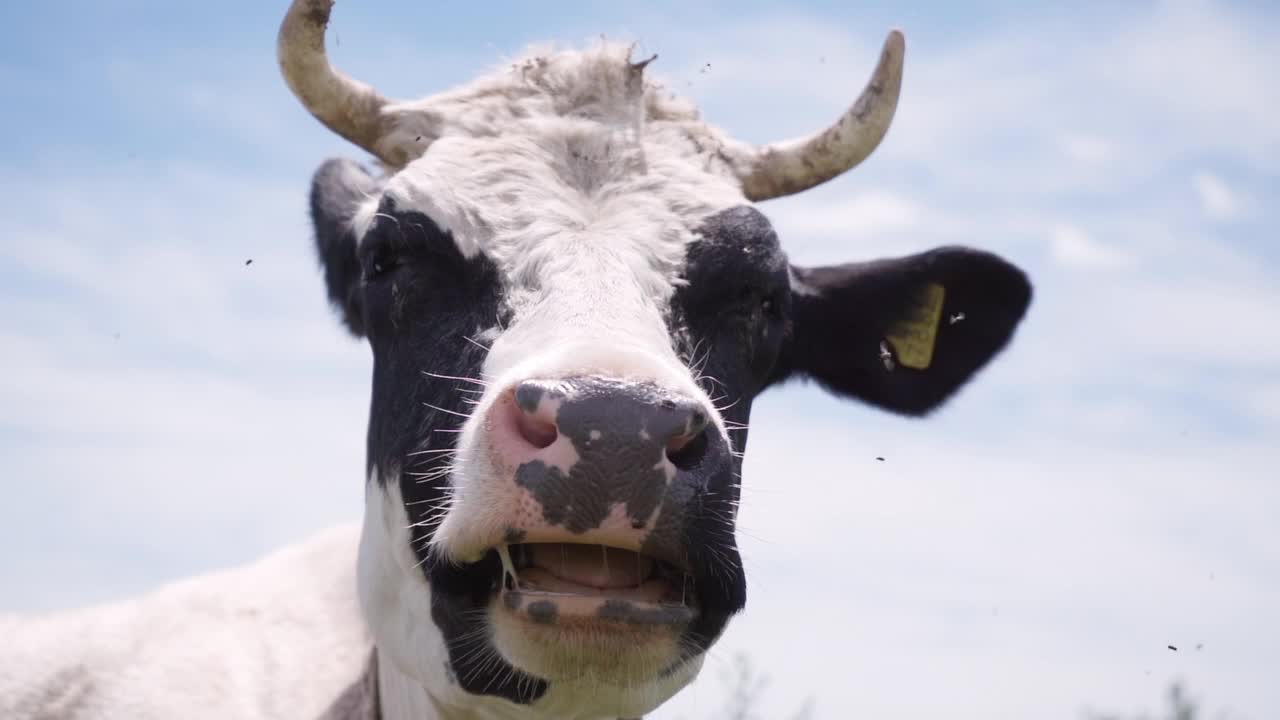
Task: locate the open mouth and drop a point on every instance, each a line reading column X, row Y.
column 548, row 582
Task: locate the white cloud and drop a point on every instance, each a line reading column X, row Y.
column 822, row 229
column 1131, row 94
column 1219, row 325
column 868, row 212
column 1211, row 69
column 1073, row 247
column 1139, row 338
column 1216, row 198
column 1263, row 399
column 1087, row 149
column 165, row 252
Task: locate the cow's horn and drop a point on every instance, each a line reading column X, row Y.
column 795, row 165
column 345, row 105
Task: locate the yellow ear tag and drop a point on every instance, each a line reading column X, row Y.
column 914, row 335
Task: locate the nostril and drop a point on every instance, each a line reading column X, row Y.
column 533, row 421
column 686, row 451
column 535, row 431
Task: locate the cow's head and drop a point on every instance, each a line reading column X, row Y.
column 572, row 303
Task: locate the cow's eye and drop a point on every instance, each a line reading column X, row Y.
column 754, row 305
column 748, row 300
column 380, row 263
column 775, row 304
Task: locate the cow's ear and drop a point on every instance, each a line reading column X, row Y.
column 337, row 192
column 902, row 334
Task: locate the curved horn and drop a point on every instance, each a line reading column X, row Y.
column 346, row 106
column 795, row 165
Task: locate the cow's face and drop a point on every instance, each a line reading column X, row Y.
column 558, row 416
column 572, row 304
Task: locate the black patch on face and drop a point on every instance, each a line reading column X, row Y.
column 695, row 516
column 420, row 302
column 731, row 316
column 459, row 599
column 423, row 304
column 728, row 321
column 337, row 189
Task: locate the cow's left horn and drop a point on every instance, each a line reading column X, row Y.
column 795, row 165
column 345, row 105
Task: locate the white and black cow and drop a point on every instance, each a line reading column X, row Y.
column 571, row 303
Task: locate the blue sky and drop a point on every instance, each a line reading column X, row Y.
column 1105, row 489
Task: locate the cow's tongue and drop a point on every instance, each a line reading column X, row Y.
column 592, row 565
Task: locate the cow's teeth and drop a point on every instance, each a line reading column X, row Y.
column 508, row 567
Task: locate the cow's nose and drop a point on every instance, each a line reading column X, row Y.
column 602, row 461
column 605, row 417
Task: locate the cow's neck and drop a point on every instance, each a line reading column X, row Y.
column 383, row 693
column 402, row 698
column 360, row 700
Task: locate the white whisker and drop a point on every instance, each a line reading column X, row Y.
column 454, row 377
column 445, row 410
column 471, row 340
column 432, row 452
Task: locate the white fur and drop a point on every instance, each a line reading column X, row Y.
column 281, row 638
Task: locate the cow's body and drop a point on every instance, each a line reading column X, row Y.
column 572, row 303
column 280, row 638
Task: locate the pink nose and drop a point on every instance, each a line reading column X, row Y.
column 610, row 409
column 592, row 458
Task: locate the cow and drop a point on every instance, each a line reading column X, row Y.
column 572, row 301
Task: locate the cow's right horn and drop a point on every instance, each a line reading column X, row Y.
column 346, row 106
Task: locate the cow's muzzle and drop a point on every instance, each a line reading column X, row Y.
column 604, row 462
column 602, row 498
